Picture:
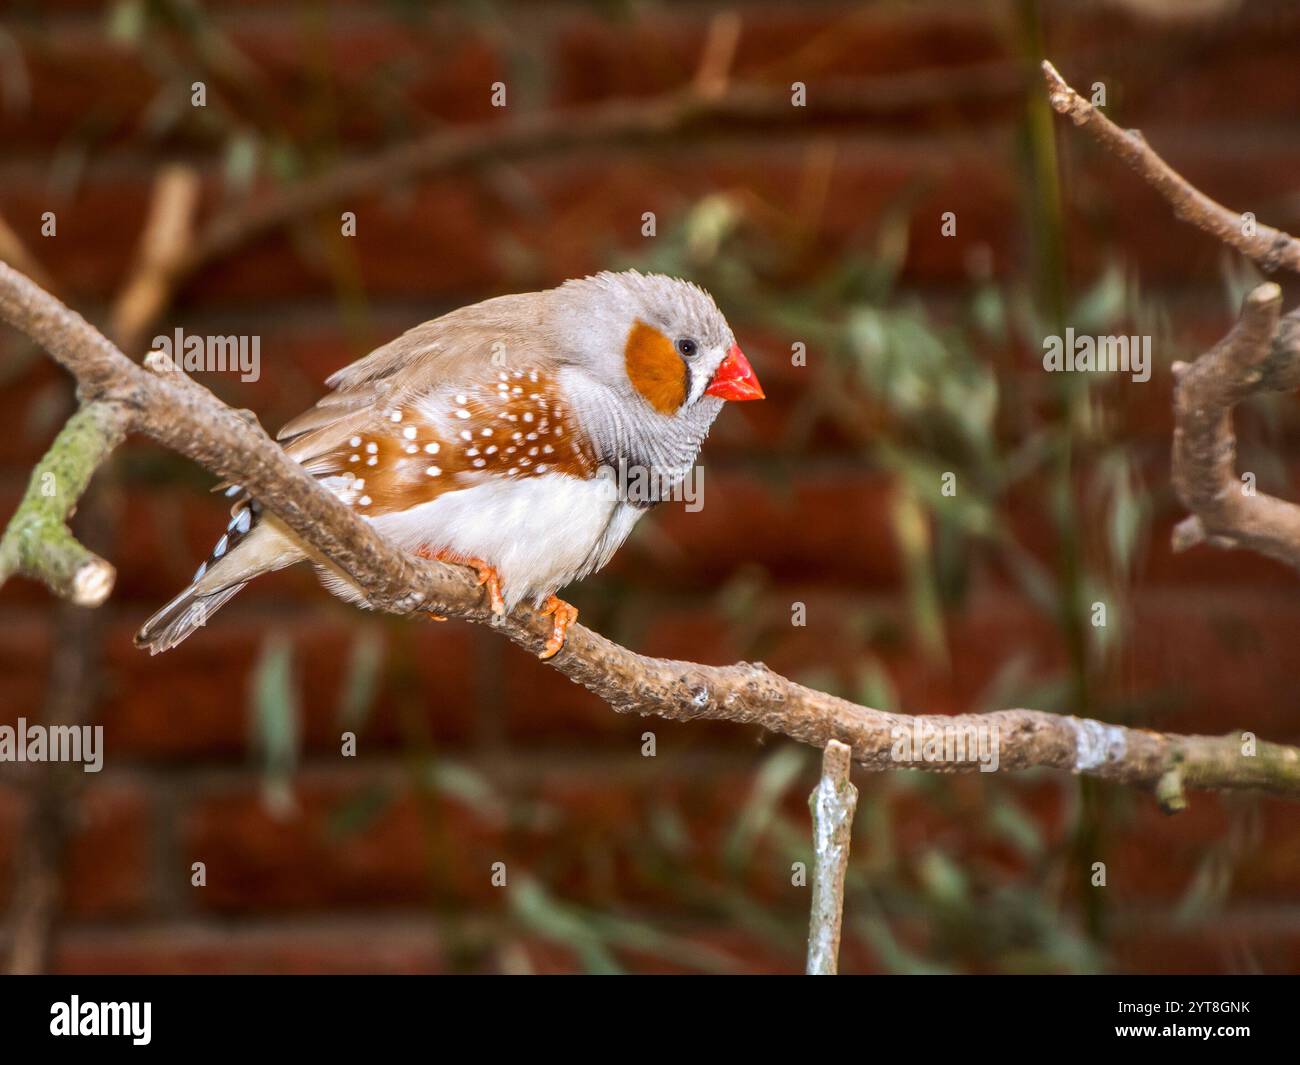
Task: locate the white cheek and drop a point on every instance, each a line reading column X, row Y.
column 702, row 371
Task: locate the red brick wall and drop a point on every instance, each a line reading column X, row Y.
column 380, row 863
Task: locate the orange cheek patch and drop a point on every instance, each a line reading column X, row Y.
column 654, row 368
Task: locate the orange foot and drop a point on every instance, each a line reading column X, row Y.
column 564, row 615
column 487, row 575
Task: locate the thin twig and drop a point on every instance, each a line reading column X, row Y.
column 1270, row 248
column 714, row 70
column 38, row 883
column 832, row 802
column 164, row 245
column 14, row 252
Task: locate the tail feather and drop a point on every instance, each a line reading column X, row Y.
column 249, row 548
column 188, row 611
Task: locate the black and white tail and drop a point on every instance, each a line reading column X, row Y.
column 249, row 547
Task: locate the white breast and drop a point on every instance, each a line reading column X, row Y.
column 540, row 533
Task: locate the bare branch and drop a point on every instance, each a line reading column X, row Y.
column 1260, row 354
column 18, row 255
column 50, row 819
column 832, row 802
column 714, row 70
column 1225, row 510
column 37, row 542
column 164, row 243
column 1269, row 247
column 187, row 418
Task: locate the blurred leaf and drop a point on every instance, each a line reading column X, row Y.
column 893, row 956
column 590, row 934
column 361, row 678
column 1011, row 822
column 922, row 376
column 1102, row 305
column 126, row 21
column 645, row 938
column 285, row 160
column 533, row 906
column 709, row 223
column 1108, row 636
column 276, row 732
column 821, row 678
column 876, row 689
column 1239, row 275
column 1052, row 694
column 966, row 507
column 240, row 164
column 912, row 532
column 1007, row 686
column 359, row 812
column 739, row 599
column 898, row 356
column 892, row 241
column 944, row 880
column 1035, row 579
column 1128, row 509
column 989, row 312
column 774, row 778
column 670, row 830
column 469, row 786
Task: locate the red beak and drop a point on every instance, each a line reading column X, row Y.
column 735, row 378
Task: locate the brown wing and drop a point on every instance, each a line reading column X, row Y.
column 513, row 424
column 463, row 346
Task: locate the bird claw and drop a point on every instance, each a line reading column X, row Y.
column 487, row 576
column 563, row 615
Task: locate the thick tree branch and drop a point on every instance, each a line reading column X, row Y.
column 1269, row 247
column 184, row 416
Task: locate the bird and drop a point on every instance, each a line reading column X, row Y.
column 523, row 436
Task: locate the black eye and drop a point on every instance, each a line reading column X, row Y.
column 687, row 347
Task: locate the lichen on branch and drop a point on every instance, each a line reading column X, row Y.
column 37, row 542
